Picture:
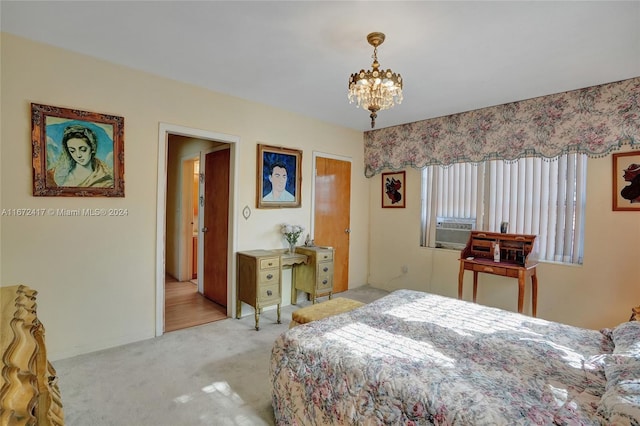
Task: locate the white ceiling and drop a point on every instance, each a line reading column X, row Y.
column 453, row 56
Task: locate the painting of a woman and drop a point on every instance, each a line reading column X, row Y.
column 77, row 164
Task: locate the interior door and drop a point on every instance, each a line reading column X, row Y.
column 216, row 225
column 332, row 215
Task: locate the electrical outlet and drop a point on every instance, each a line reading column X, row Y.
column 405, row 269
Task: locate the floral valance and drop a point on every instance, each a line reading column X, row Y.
column 595, row 121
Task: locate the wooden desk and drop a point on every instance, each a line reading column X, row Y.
column 516, row 261
column 259, row 279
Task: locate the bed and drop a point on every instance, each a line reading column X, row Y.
column 413, row 358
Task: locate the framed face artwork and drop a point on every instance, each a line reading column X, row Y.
column 626, row 181
column 279, row 179
column 76, row 153
column 393, row 190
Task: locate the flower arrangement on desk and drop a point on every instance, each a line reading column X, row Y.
column 291, row 234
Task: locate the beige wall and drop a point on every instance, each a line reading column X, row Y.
column 96, row 275
column 599, row 293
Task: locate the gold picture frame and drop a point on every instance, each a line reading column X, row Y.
column 626, row 181
column 76, row 153
column 279, row 177
column 394, row 190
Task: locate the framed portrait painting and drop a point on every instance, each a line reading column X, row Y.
column 393, row 190
column 279, row 180
column 76, row 153
column 626, row 181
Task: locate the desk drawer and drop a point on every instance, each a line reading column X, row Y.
column 325, row 256
column 269, row 262
column 324, row 269
column 270, row 276
column 267, row 293
column 490, row 269
column 324, row 284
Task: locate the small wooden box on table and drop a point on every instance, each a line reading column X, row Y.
column 517, row 260
column 315, row 277
column 259, row 281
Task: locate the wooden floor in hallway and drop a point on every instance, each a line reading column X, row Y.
column 184, row 307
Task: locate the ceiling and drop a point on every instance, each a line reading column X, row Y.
column 453, row 56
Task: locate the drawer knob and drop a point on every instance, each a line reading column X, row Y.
column 325, row 269
column 269, row 292
column 269, row 276
column 324, row 282
column 270, row 263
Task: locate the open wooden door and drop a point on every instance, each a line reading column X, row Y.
column 216, row 225
column 332, row 215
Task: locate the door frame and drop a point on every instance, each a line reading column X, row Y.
column 185, row 257
column 166, row 129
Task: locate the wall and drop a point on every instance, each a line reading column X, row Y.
column 96, row 275
column 599, row 293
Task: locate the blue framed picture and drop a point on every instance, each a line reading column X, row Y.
column 279, row 177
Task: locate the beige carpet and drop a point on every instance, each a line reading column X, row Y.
column 213, row 374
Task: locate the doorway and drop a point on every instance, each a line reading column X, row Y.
column 175, row 230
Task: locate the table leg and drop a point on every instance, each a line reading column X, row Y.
column 475, row 285
column 521, row 277
column 534, row 293
column 279, row 314
column 460, row 279
column 257, row 315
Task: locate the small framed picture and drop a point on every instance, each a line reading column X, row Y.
column 626, row 181
column 76, row 153
column 279, row 180
column 393, row 190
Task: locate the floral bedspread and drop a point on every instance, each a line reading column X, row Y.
column 413, row 358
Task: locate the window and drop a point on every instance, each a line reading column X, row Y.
column 536, row 196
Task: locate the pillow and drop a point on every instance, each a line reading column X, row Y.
column 620, row 404
column 626, row 338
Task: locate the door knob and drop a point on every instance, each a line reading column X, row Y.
column 347, row 231
column 205, row 229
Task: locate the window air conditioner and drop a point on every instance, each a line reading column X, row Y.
column 453, row 233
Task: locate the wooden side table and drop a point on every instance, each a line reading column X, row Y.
column 314, row 277
column 503, row 269
column 517, row 260
column 259, row 281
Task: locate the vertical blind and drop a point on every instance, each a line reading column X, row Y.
column 536, row 196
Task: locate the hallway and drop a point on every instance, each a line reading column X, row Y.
column 184, row 307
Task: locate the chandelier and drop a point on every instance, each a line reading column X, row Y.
column 375, row 89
